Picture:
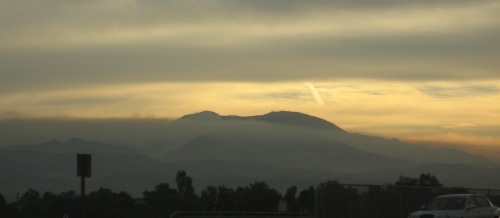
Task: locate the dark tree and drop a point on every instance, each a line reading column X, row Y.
column 335, row 200
column 3, row 203
column 428, row 180
column 105, row 203
column 187, row 199
column 30, row 203
column 208, row 198
column 225, row 199
column 384, row 200
column 306, row 200
column 406, row 181
column 7, row 210
column 217, row 199
column 53, row 205
column 161, row 201
column 257, row 197
column 291, row 199
column 3, row 206
column 184, row 183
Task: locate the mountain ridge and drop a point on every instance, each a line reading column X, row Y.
column 234, row 150
column 293, row 152
column 277, row 117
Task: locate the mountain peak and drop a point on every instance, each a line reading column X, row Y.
column 297, row 119
column 276, row 117
column 202, row 116
column 75, row 141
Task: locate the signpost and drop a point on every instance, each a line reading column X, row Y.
column 84, row 166
column 84, row 169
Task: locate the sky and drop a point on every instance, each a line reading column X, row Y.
column 422, row 71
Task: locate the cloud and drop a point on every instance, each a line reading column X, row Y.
column 460, row 126
column 9, row 115
column 459, row 91
column 67, row 24
column 287, row 95
column 69, row 43
column 316, row 95
column 83, row 101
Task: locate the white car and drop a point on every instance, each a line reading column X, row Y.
column 458, row 206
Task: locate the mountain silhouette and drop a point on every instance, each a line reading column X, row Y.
column 202, row 116
column 286, row 125
column 297, row 119
column 280, row 117
column 284, row 148
column 272, row 148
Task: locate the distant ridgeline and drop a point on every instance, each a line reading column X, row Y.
column 283, row 149
column 281, row 117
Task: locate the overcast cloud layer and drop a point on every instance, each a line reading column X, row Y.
column 47, row 44
column 418, row 70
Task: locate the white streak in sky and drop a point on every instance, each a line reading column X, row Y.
column 316, row 95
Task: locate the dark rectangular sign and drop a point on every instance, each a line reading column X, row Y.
column 84, row 165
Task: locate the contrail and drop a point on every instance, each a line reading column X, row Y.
column 316, row 95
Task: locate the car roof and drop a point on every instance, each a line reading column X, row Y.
column 457, row 196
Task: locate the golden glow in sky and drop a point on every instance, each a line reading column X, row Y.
column 436, row 112
column 424, row 71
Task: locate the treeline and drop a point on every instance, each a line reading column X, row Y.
column 163, row 200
